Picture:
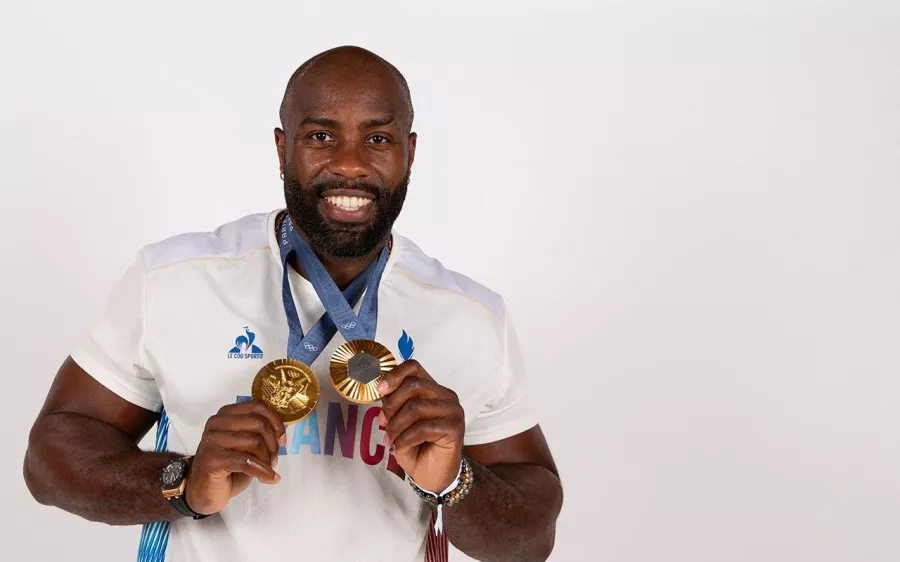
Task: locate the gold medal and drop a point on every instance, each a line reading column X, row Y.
column 290, row 387
column 357, row 367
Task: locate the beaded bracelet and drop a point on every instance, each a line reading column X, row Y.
column 457, row 490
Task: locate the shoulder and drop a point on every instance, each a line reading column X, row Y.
column 429, row 272
column 233, row 240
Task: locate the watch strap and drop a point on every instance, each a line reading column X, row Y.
column 179, row 503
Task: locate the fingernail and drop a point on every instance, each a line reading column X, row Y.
column 382, row 421
column 275, row 461
column 382, row 387
column 283, row 439
column 277, row 477
column 387, row 439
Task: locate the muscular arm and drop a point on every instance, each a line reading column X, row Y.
column 83, row 455
column 511, row 512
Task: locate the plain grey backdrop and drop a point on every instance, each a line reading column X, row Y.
column 691, row 208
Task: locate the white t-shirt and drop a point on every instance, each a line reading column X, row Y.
column 196, row 316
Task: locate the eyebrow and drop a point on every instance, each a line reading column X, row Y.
column 334, row 123
column 377, row 122
column 321, row 121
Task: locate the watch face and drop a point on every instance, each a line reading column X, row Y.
column 173, row 473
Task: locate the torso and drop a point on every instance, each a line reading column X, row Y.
column 342, row 496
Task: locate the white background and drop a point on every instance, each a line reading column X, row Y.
column 692, row 211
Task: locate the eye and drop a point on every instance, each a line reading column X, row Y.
column 320, row 136
column 378, row 139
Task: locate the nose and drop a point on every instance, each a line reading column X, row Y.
column 349, row 163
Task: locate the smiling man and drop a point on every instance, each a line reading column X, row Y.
column 230, row 341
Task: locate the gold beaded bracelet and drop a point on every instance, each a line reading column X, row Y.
column 461, row 487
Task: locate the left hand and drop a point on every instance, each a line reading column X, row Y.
column 425, row 424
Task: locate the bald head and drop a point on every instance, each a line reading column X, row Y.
column 346, row 150
column 346, row 68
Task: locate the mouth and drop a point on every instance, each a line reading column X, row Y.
column 347, row 205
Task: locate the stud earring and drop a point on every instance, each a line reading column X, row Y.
column 282, row 175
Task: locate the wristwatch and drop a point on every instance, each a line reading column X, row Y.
column 173, row 479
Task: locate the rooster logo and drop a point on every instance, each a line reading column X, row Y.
column 244, row 348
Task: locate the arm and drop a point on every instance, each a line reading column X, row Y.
column 83, row 454
column 511, row 511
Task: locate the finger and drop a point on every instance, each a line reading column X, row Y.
column 395, row 377
column 261, row 409
column 246, row 422
column 414, row 410
column 245, row 463
column 414, row 387
column 439, row 432
column 241, row 441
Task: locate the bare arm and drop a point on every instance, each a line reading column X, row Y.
column 511, row 511
column 83, row 455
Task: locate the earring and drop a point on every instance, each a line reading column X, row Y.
column 282, row 175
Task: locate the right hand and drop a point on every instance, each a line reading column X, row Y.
column 239, row 443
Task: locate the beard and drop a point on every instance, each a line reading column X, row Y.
column 337, row 239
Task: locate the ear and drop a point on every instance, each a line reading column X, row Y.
column 279, row 145
column 412, row 151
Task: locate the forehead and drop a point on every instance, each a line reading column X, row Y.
column 348, row 93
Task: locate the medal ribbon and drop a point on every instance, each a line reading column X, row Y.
column 306, row 348
column 337, row 308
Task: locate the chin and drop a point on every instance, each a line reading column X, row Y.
column 354, row 242
column 337, row 239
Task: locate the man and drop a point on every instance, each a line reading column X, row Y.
column 196, row 317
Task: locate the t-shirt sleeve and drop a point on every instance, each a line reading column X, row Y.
column 509, row 412
column 112, row 351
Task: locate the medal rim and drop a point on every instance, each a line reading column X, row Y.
column 339, row 367
column 256, row 387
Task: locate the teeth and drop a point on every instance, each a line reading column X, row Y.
column 348, row 203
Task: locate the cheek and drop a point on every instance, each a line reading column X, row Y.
column 391, row 167
column 306, row 164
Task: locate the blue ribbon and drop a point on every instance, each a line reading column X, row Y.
column 338, row 304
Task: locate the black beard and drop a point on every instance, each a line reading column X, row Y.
column 342, row 241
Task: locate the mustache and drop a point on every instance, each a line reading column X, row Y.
column 321, row 186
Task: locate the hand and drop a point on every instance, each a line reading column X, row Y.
column 425, row 424
column 239, row 443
